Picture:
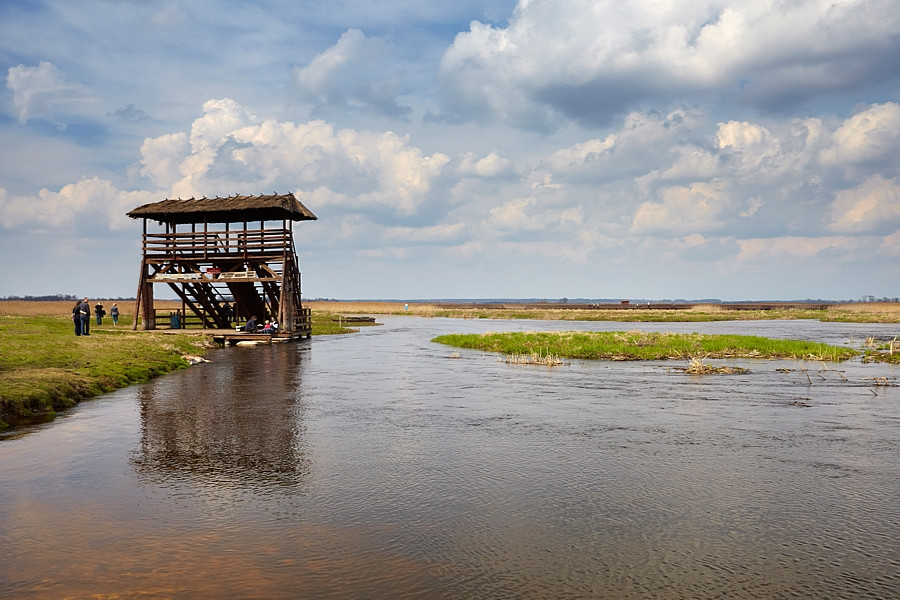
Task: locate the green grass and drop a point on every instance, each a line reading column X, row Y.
column 326, row 323
column 639, row 345
column 885, row 352
column 45, row 368
column 881, row 356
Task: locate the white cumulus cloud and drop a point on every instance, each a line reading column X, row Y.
column 516, row 215
column 491, row 166
column 354, row 74
column 868, row 136
column 872, row 206
column 698, row 207
column 591, row 60
column 89, row 205
column 231, row 152
column 42, row 92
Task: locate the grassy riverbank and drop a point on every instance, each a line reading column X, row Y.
column 641, row 345
column 45, row 368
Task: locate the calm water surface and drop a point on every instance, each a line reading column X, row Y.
column 377, row 465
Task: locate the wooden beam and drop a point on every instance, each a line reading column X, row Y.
column 137, row 301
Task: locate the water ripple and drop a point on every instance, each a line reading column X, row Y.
column 375, row 466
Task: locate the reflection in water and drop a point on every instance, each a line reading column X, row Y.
column 234, row 424
column 375, row 466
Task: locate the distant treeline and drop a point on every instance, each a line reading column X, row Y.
column 54, row 298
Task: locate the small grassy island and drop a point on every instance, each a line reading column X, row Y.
column 642, row 345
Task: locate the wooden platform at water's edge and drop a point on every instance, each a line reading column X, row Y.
column 233, row 337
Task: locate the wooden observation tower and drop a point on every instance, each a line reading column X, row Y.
column 237, row 250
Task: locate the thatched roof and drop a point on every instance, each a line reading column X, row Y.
column 233, row 209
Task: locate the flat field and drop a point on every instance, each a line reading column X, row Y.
column 63, row 308
column 858, row 312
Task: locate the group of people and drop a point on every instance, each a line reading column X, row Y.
column 253, row 326
column 81, row 315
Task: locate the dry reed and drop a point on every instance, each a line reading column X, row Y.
column 877, row 308
column 535, row 358
column 373, row 307
column 707, row 308
column 698, row 367
column 881, row 381
column 27, row 308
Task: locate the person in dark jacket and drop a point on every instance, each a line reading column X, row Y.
column 84, row 311
column 99, row 311
column 76, row 317
column 250, row 325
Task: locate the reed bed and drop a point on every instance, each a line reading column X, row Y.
column 707, row 308
column 698, row 367
column 875, row 312
column 373, row 307
column 63, row 308
column 881, row 308
column 868, row 312
column 535, row 358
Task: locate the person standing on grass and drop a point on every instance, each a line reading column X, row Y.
column 99, row 311
column 76, row 317
column 84, row 311
column 114, row 313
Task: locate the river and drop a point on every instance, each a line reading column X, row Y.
column 382, row 465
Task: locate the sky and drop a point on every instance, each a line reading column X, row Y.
column 650, row 149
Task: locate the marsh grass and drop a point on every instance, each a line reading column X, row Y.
column 887, row 352
column 698, row 367
column 642, row 345
column 858, row 312
column 337, row 307
column 874, row 312
column 45, row 368
column 327, row 323
column 878, row 308
column 535, row 358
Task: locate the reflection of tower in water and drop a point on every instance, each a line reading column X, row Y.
column 234, row 422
